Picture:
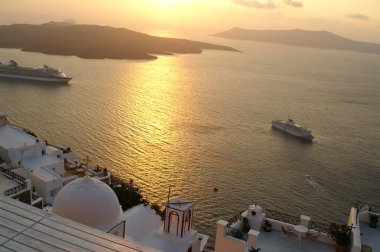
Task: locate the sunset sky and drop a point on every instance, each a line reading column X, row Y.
column 359, row 20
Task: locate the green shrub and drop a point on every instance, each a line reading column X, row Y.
column 158, row 210
column 128, row 197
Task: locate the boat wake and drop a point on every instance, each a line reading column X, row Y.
column 318, row 188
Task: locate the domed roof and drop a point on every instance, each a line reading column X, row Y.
column 90, row 202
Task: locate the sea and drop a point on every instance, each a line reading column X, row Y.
column 201, row 125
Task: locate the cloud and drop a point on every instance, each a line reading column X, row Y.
column 268, row 4
column 358, row 16
column 293, row 3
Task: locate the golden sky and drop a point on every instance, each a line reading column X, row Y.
column 359, row 20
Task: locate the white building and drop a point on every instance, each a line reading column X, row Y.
column 28, row 155
column 16, row 144
column 274, row 231
column 47, row 183
column 93, row 203
column 67, row 155
column 15, row 184
column 175, row 234
column 48, row 167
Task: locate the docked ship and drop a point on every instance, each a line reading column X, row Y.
column 45, row 74
column 292, row 128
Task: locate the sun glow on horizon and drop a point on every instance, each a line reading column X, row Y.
column 357, row 20
column 166, row 2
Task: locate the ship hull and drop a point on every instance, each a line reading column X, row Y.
column 36, row 78
column 281, row 126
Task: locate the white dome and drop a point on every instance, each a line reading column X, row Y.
column 90, row 202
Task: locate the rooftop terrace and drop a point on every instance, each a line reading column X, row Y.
column 276, row 241
column 6, row 183
column 36, row 162
column 11, row 137
column 274, row 231
column 370, row 236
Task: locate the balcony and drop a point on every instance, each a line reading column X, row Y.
column 365, row 233
column 232, row 236
column 15, row 190
column 276, row 241
column 21, row 185
column 10, row 174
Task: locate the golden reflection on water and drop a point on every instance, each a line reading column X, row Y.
column 149, row 110
column 202, row 121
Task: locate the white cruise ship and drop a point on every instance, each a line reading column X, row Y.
column 292, row 128
column 46, row 74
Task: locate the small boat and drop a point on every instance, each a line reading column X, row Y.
column 293, row 129
column 45, row 74
column 308, row 178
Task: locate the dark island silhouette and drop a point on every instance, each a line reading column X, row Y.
column 95, row 42
column 297, row 37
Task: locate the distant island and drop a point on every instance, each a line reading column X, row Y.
column 297, row 37
column 95, row 42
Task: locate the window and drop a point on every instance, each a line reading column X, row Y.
column 188, row 220
column 54, row 192
column 173, row 221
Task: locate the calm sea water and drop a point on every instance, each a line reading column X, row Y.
column 201, row 121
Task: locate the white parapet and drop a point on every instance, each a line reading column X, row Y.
column 226, row 243
column 252, row 238
column 356, row 240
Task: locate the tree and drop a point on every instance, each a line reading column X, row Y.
column 128, row 196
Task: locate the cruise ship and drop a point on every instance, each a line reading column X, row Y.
column 45, row 74
column 292, row 128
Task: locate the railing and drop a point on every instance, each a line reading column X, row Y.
column 362, row 205
column 35, row 197
column 15, row 190
column 234, row 219
column 12, row 175
column 319, row 226
column 282, row 217
column 20, row 179
column 236, row 233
